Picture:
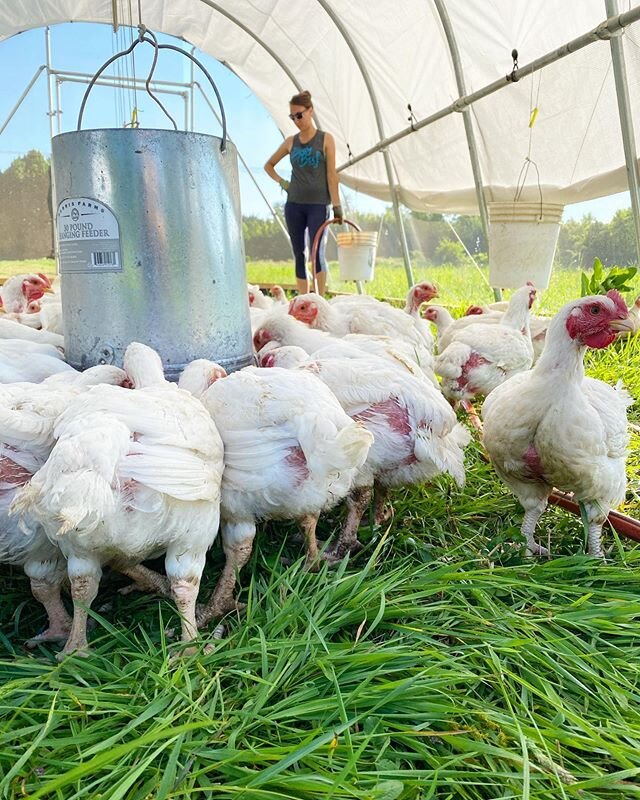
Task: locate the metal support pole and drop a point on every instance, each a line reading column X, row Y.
column 185, row 97
column 58, row 106
column 192, row 98
column 123, row 80
column 116, row 83
column 468, row 123
column 385, row 153
column 626, row 121
column 22, row 96
column 47, row 47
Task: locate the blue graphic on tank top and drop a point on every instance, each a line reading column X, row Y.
column 306, row 157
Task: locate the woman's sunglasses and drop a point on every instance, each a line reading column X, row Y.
column 297, row 115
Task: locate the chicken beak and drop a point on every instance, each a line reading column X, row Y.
column 620, row 325
column 48, row 290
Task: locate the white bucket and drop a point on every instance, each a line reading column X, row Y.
column 522, row 243
column 356, row 255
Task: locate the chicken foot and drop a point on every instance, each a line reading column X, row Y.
column 144, row 580
column 348, row 542
column 48, row 593
column 237, row 543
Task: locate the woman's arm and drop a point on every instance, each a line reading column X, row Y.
column 280, row 153
column 332, row 175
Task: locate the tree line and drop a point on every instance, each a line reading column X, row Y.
column 26, row 229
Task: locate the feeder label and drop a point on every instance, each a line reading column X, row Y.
column 88, row 236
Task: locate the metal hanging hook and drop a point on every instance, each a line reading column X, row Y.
column 145, row 35
column 513, row 76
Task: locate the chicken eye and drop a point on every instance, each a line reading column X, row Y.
column 595, row 309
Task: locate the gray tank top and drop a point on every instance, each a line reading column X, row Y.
column 308, row 171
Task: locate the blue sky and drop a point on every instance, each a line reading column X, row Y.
column 84, row 48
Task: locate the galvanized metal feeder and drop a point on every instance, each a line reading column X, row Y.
column 149, row 242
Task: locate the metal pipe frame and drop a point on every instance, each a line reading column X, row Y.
column 468, row 122
column 62, row 73
column 47, row 48
column 386, row 155
column 256, row 39
column 298, row 86
column 37, row 74
column 116, row 83
column 605, row 30
column 58, row 105
column 192, row 81
column 626, row 121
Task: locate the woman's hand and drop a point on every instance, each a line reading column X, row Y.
column 337, row 214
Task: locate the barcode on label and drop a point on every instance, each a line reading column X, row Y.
column 105, row 258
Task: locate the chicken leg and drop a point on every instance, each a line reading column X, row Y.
column 144, row 580
column 347, row 542
column 237, row 543
column 184, row 570
column 84, row 575
column 381, row 511
column 593, row 518
column 309, row 524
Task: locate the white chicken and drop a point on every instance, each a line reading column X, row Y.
column 372, row 318
column 416, row 434
column 290, row 453
column 10, row 329
column 494, row 312
column 279, row 295
column 283, row 329
column 16, row 292
column 481, row 356
column 417, row 295
column 30, row 362
column 133, row 474
column 28, row 413
column 634, row 316
column 551, row 426
column 257, row 298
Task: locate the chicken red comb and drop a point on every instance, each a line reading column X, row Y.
column 45, row 279
column 618, row 299
column 474, row 310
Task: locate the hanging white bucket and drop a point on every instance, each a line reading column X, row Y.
column 356, row 255
column 522, row 243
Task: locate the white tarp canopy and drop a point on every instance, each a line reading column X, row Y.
column 365, row 61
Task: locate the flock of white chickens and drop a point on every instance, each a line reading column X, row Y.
column 116, row 466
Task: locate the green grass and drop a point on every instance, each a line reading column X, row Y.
column 459, row 286
column 438, row 664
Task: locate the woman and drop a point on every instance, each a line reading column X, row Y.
column 313, row 185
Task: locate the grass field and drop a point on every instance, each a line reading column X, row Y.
column 458, row 286
column 438, row 664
